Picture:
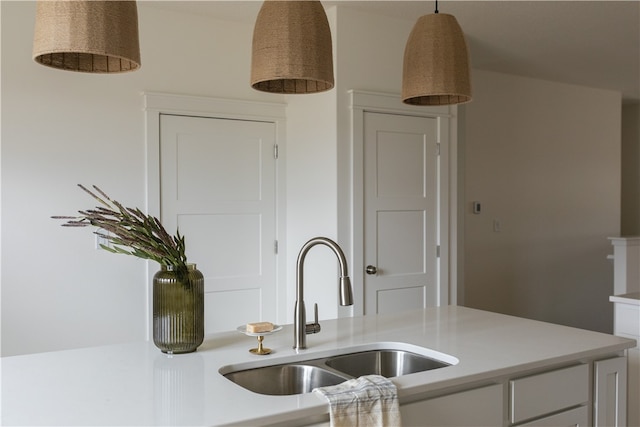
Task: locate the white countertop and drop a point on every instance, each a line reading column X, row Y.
column 135, row 384
column 630, row 298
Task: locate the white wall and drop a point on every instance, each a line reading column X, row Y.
column 61, row 128
column 311, row 196
column 311, row 199
column 544, row 160
column 630, row 170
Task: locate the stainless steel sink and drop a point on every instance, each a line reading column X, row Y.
column 388, row 363
column 285, row 379
column 303, row 375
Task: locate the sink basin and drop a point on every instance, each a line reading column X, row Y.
column 388, row 363
column 285, row 379
column 301, row 374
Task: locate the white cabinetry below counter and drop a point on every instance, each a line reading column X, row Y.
column 626, row 323
column 548, row 397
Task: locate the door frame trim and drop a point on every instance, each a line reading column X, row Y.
column 156, row 104
column 361, row 102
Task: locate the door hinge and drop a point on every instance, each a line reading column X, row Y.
column 275, row 247
column 438, row 251
column 275, row 151
column 437, row 149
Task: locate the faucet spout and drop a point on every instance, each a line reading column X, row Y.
column 346, row 292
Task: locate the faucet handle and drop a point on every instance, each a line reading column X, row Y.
column 313, row 328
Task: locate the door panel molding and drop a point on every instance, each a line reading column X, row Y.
column 157, row 104
column 361, row 102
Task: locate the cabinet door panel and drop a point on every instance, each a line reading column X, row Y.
column 610, row 397
column 478, row 407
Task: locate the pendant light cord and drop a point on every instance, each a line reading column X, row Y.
column 436, row 6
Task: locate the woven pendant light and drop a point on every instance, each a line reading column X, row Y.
column 292, row 50
column 436, row 63
column 87, row 35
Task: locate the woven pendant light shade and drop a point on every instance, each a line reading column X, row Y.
column 292, row 50
column 436, row 63
column 87, row 35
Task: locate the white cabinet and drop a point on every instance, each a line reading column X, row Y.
column 626, row 323
column 539, row 395
column 563, row 396
column 626, row 264
column 578, row 417
column 626, row 316
column 476, row 407
column 633, row 387
column 610, row 392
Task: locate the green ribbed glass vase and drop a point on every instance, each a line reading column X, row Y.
column 178, row 309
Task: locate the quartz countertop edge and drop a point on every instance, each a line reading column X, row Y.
column 136, row 384
column 629, row 298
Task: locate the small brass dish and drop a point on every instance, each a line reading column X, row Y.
column 260, row 350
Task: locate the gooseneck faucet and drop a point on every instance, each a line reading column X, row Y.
column 300, row 327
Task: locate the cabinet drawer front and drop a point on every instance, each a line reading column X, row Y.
column 578, row 417
column 477, row 407
column 537, row 395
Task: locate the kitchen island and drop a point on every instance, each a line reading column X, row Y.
column 498, row 357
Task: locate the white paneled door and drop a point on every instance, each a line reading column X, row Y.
column 400, row 212
column 217, row 180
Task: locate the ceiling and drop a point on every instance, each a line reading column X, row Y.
column 589, row 43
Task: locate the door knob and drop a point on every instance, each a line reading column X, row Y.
column 371, row 269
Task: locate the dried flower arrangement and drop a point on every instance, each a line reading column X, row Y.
column 130, row 231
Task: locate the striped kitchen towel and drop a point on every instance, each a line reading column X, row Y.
column 368, row 401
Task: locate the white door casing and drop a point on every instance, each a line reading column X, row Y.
column 446, row 233
column 400, row 212
column 212, row 173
